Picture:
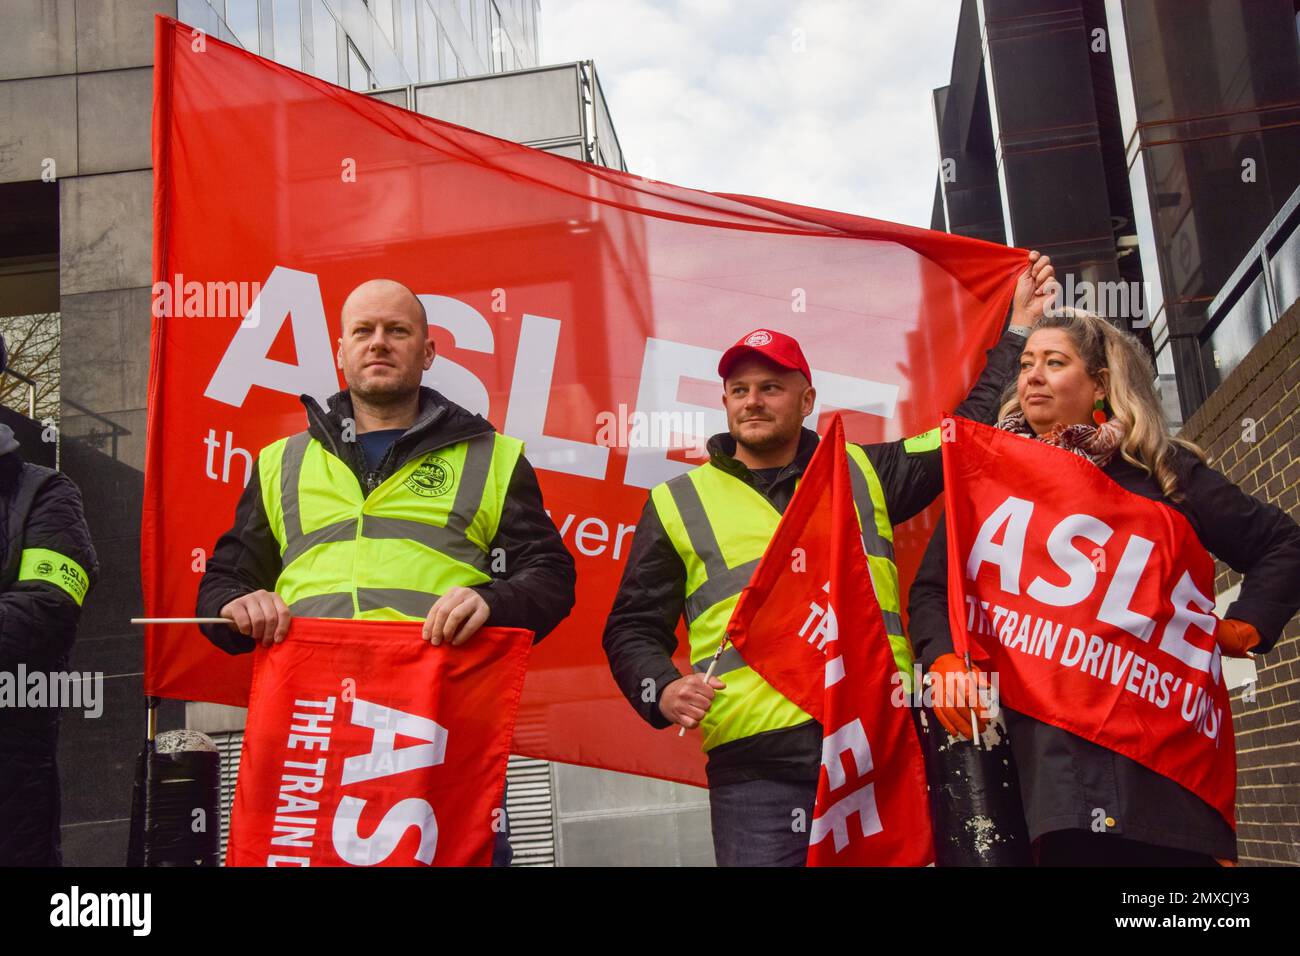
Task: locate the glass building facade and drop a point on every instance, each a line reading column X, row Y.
column 1157, row 144
column 375, row 44
column 1210, row 108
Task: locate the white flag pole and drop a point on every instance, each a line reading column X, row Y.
column 709, row 673
column 974, row 724
column 181, row 620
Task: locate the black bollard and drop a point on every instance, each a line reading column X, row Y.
column 176, row 806
column 975, row 805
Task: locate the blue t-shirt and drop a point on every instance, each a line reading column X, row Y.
column 375, row 445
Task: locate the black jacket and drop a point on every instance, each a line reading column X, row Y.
column 640, row 636
column 1063, row 778
column 38, row 623
column 535, row 592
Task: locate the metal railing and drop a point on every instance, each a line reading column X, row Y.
column 93, row 437
column 115, row 430
column 592, row 113
column 1262, row 287
column 31, row 391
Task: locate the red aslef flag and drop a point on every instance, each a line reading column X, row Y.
column 810, row 624
column 571, row 305
column 367, row 746
column 1094, row 606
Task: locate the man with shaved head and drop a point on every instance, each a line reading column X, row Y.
column 395, row 504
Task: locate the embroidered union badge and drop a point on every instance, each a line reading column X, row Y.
column 432, row 477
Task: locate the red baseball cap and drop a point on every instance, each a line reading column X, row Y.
column 777, row 347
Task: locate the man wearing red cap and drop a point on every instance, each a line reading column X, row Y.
column 698, row 541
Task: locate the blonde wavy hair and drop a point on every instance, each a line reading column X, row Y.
column 1117, row 361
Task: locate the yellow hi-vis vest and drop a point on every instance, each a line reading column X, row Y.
column 720, row 527
column 389, row 555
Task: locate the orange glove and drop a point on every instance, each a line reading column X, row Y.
column 1236, row 637
column 955, row 694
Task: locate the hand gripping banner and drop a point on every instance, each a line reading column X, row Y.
column 367, row 746
column 1091, row 604
column 580, row 309
column 809, row 623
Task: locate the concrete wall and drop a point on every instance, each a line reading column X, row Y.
column 75, row 89
column 615, row 819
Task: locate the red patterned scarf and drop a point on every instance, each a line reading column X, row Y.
column 1097, row 443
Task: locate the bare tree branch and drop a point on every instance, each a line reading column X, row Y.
column 33, row 347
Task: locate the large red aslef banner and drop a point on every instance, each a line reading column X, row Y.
column 1093, row 606
column 810, row 624
column 367, row 746
column 580, row 309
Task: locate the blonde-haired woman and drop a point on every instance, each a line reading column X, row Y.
column 1086, row 386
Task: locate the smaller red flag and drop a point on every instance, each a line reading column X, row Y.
column 367, row 746
column 810, row 624
column 1091, row 605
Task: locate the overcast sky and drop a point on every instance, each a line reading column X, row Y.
column 820, row 102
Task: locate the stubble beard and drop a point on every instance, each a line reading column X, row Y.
column 385, row 394
column 772, row 440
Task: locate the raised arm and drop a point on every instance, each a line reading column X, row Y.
column 911, row 470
